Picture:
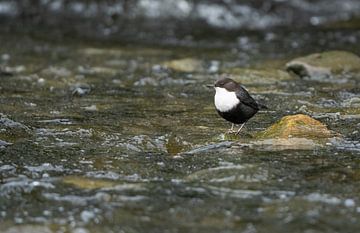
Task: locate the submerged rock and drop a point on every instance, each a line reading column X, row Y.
column 28, row 229
column 3, row 144
column 297, row 126
column 227, row 172
column 185, row 65
column 11, row 130
column 324, row 65
column 261, row 76
column 86, row 70
column 87, row 183
column 57, row 71
column 176, row 144
column 287, row 144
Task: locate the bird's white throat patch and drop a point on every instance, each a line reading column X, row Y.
column 225, row 100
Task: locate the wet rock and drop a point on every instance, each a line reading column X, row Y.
column 297, row 126
column 91, row 108
column 185, row 65
column 299, row 132
column 28, row 229
column 287, row 144
column 87, row 183
column 324, row 65
column 3, row 72
column 147, row 81
column 352, row 102
column 228, row 172
column 143, row 143
column 214, row 66
column 101, row 51
column 261, row 76
column 210, row 147
column 175, row 144
column 96, row 70
column 23, row 185
column 11, row 130
column 171, row 81
column 5, row 57
column 168, row 81
column 80, row 89
column 11, row 70
column 3, row 144
column 343, row 144
column 57, row 71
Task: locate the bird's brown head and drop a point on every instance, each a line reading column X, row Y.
column 227, row 83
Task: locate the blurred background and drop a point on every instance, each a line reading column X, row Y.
column 174, row 21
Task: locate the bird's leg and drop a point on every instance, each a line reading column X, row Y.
column 237, row 133
column 232, row 129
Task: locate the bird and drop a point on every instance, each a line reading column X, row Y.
column 234, row 103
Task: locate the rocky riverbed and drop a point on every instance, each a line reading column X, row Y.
column 116, row 137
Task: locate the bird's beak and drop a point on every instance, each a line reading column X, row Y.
column 209, row 85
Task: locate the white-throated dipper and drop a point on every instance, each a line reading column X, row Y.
column 234, row 103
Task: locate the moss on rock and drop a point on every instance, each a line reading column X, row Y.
column 185, row 65
column 87, row 183
column 297, row 126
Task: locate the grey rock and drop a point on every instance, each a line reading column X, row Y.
column 11, row 130
column 325, row 65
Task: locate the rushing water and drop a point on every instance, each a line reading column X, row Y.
column 103, row 138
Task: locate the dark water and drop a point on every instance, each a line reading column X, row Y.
column 104, row 138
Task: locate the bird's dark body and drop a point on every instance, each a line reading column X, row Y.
column 245, row 109
column 239, row 114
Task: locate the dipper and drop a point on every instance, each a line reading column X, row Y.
column 234, row 103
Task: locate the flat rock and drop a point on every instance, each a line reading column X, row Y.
column 261, row 76
column 276, row 144
column 297, row 126
column 185, row 65
column 87, row 183
column 28, row 229
column 325, row 65
column 229, row 173
column 11, row 130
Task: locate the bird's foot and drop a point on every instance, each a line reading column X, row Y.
column 231, row 131
column 238, row 132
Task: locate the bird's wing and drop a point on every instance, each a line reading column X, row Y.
column 246, row 99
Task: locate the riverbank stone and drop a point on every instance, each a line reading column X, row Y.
column 187, row 65
column 324, row 65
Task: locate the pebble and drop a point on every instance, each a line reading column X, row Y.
column 87, row 216
column 5, row 57
column 349, row 203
